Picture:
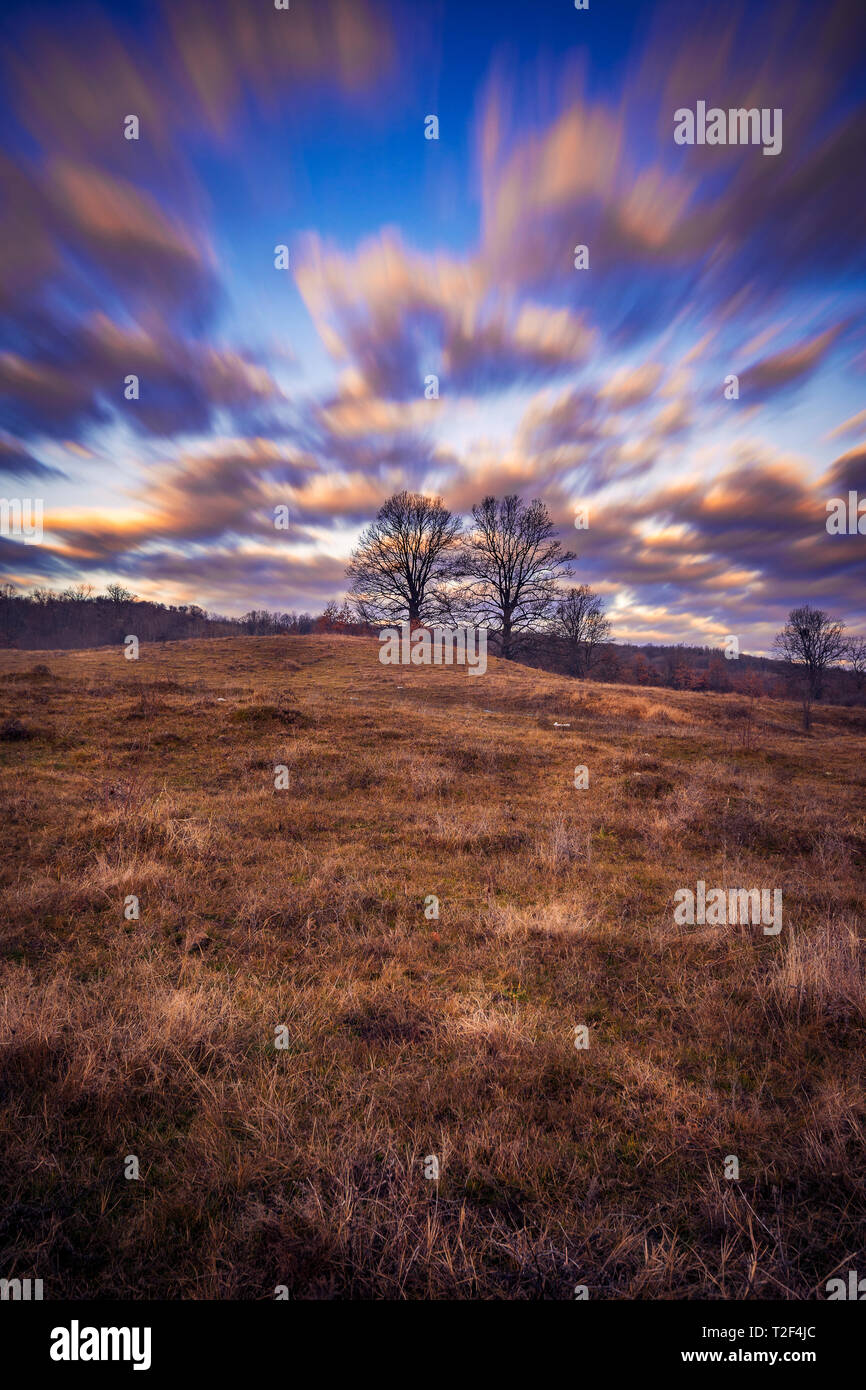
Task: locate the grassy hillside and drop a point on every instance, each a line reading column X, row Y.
column 410, row 1036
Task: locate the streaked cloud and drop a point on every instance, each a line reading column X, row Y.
column 450, row 260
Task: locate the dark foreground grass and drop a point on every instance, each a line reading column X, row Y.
column 409, row 1036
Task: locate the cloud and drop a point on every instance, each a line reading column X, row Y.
column 195, row 65
column 631, row 386
column 80, row 380
column 28, row 254
column 592, row 432
column 225, row 55
column 398, row 316
column 573, row 416
column 570, row 182
column 855, row 424
column 673, row 419
column 848, row 472
column 231, row 488
column 130, row 239
column 18, row 462
column 485, row 348
column 773, row 374
column 75, row 233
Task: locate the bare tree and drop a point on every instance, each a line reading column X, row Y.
column 402, row 559
column 581, row 622
column 855, row 655
column 811, row 642
column 511, row 563
column 118, row 594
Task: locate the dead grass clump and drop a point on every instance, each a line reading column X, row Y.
column 558, row 918
column 561, row 844
column 427, row 774
column 821, row 973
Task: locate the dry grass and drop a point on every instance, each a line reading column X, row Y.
column 410, row 1036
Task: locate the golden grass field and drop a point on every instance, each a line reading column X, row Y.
column 407, row 1036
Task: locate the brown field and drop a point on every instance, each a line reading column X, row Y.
column 304, row 1166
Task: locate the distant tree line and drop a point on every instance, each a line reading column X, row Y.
column 336, row 617
column 77, row 617
column 49, row 620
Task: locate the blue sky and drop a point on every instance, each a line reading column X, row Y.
column 409, row 257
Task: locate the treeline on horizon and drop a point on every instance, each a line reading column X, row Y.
column 76, row 618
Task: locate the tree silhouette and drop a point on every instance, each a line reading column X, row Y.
column 401, row 563
column 811, row 641
column 511, row 563
column 581, row 622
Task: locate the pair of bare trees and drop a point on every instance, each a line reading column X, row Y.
column 416, row 562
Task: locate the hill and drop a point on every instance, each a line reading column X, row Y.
column 287, row 1034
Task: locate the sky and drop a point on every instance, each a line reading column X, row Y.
column 604, row 390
